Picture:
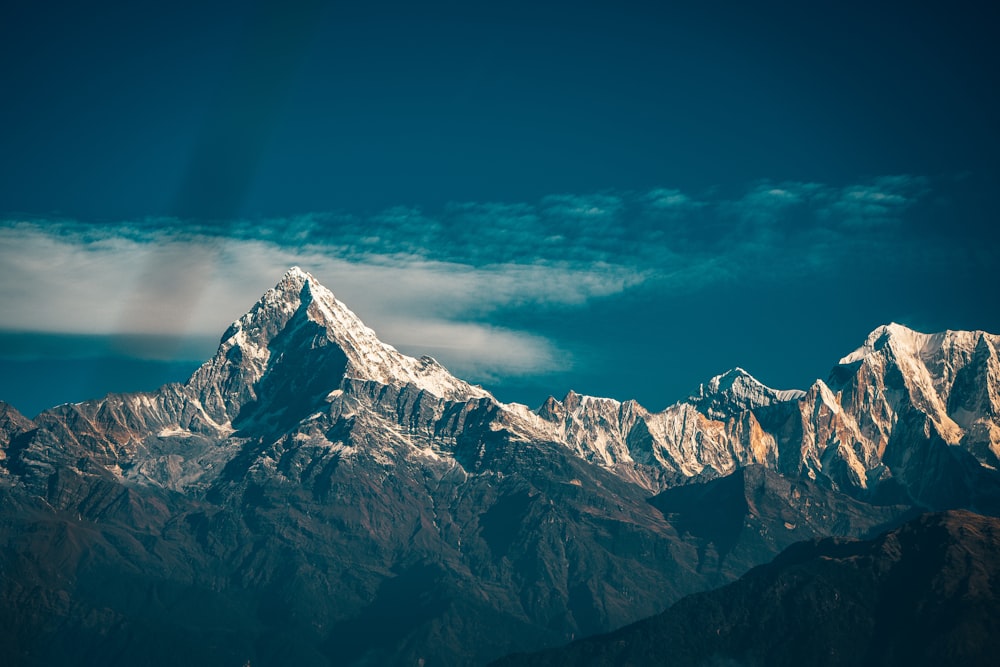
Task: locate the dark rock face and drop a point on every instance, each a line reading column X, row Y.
column 927, row 593
column 746, row 518
column 312, row 496
column 12, row 423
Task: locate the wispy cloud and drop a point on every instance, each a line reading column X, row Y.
column 666, row 199
column 881, row 202
column 442, row 282
column 70, row 281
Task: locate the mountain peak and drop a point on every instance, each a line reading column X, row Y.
column 296, row 272
column 294, row 279
column 907, row 342
column 730, row 378
column 881, row 337
column 301, row 327
column 737, row 390
column 892, row 331
column 368, row 357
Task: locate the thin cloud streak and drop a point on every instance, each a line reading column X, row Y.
column 64, row 284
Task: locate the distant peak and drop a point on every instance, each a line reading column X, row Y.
column 890, row 330
column 737, row 389
column 731, row 377
column 899, row 336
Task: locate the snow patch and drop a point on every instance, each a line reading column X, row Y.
column 174, row 432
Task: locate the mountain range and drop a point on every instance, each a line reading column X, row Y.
column 310, row 495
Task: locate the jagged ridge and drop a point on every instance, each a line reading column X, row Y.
column 870, row 430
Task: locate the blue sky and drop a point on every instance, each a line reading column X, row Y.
column 623, row 199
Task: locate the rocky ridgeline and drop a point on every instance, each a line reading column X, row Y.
column 343, row 502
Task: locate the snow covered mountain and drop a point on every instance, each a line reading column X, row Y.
column 897, row 413
column 310, row 471
column 298, row 350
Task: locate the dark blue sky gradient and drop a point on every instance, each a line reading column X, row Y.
column 216, row 115
column 120, row 110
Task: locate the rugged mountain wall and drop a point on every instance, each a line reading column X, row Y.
column 310, row 493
